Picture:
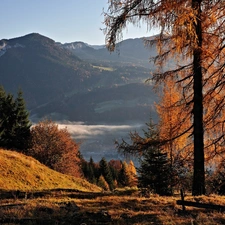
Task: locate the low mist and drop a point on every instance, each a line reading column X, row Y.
column 98, row 140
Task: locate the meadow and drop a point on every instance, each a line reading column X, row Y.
column 31, row 193
column 122, row 207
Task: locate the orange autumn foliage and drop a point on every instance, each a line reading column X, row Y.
column 55, row 148
column 174, row 123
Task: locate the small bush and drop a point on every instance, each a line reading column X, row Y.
column 55, row 148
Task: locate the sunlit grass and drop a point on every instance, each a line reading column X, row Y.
column 122, row 208
column 20, row 172
column 84, row 203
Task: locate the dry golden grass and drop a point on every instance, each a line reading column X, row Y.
column 20, row 172
column 154, row 210
column 106, row 208
column 48, row 197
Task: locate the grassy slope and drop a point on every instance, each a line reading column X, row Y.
column 20, row 172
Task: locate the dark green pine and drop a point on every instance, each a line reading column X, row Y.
column 14, row 122
column 8, row 117
column 22, row 124
column 154, row 171
column 106, row 172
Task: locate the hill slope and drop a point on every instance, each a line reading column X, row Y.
column 42, row 70
column 52, row 78
column 20, row 172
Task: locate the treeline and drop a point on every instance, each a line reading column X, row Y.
column 110, row 175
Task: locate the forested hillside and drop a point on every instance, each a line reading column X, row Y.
column 63, row 84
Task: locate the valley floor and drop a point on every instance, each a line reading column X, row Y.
column 121, row 207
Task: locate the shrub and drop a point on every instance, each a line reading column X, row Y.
column 55, row 148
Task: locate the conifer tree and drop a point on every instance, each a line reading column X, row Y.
column 114, row 172
column 94, row 167
column 14, row 122
column 103, row 184
column 3, row 116
column 154, row 162
column 124, row 175
column 89, row 170
column 106, row 172
column 8, row 118
column 133, row 174
column 154, row 172
column 174, row 119
column 22, row 125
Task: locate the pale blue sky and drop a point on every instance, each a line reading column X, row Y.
column 61, row 20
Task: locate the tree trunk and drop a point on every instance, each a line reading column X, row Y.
column 198, row 187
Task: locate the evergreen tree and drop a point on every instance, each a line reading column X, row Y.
column 7, row 120
column 155, row 168
column 85, row 168
column 22, row 125
column 106, row 172
column 114, row 172
column 14, row 123
column 154, row 171
column 94, row 167
column 88, row 169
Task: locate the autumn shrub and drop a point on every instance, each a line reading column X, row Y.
column 55, row 148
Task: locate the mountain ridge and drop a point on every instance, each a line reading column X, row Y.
column 50, row 73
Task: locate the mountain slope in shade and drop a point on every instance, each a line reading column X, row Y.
column 127, row 51
column 41, row 69
column 117, row 104
column 57, row 83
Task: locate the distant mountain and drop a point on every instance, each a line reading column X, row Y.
column 127, row 51
column 42, row 69
column 76, row 81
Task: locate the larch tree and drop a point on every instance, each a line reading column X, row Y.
column 124, row 175
column 133, row 174
column 103, row 183
column 192, row 30
column 174, row 120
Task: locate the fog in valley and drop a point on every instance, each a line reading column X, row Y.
column 98, row 140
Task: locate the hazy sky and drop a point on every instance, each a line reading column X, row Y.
column 61, row 20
